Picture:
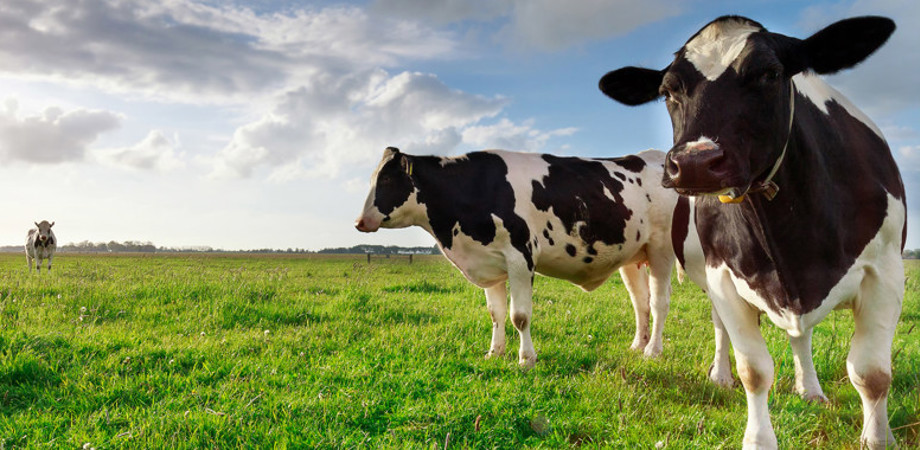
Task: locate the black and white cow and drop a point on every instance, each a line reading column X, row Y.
column 811, row 213
column 499, row 215
column 40, row 244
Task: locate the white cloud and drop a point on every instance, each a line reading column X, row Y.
column 318, row 129
column 510, row 136
column 186, row 51
column 155, row 152
column 53, row 136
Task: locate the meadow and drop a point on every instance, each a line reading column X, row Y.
column 230, row 351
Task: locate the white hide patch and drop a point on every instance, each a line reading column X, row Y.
column 820, row 93
column 717, row 46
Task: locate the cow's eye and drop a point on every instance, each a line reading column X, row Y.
column 668, row 95
column 770, row 76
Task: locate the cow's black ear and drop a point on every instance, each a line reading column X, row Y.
column 390, row 150
column 632, row 85
column 845, row 44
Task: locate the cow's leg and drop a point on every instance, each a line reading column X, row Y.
column 660, row 264
column 869, row 361
column 50, row 258
column 636, row 282
column 29, row 261
column 752, row 360
column 520, row 282
column 720, row 372
column 806, row 378
column 38, row 264
column 497, row 302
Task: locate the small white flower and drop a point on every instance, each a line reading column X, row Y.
column 86, row 446
column 590, row 337
column 171, row 361
column 127, row 359
column 301, row 353
column 202, row 334
column 267, row 332
column 659, row 444
column 59, row 296
column 82, row 308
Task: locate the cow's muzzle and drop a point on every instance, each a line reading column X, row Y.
column 366, row 225
column 700, row 169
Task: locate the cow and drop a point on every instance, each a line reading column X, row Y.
column 797, row 201
column 40, row 244
column 500, row 215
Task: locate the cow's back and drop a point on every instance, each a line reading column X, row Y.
column 587, row 216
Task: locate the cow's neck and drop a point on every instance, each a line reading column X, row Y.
column 794, row 248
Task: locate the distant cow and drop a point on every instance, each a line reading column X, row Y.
column 40, row 244
column 812, row 209
column 499, row 215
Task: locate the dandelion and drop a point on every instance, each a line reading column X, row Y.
column 82, row 308
column 59, row 296
column 267, row 332
column 202, row 334
column 127, row 360
column 301, row 353
column 659, row 444
column 87, row 446
column 172, row 361
column 590, row 337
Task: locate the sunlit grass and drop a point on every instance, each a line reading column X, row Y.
column 252, row 351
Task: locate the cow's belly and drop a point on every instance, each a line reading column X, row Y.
column 587, row 270
column 880, row 259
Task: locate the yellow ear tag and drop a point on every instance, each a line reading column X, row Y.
column 729, row 199
column 410, row 169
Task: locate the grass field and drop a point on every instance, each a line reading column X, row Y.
column 235, row 351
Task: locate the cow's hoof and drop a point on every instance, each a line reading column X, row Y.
column 815, row 398
column 653, row 350
column 638, row 344
column 878, row 445
column 495, row 353
column 527, row 363
column 721, row 378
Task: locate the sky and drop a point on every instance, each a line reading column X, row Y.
column 257, row 124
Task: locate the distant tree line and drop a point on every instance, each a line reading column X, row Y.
column 149, row 247
column 384, row 250
column 912, row 254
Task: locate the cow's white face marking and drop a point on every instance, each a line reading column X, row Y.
column 717, row 46
column 821, row 93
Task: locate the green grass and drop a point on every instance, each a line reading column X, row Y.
column 271, row 351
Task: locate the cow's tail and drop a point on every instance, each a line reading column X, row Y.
column 680, row 272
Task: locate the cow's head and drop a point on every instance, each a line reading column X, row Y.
column 390, row 203
column 730, row 96
column 44, row 230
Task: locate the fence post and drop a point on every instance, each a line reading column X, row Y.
column 368, row 258
column 410, row 258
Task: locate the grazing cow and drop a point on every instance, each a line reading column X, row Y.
column 499, row 215
column 40, row 244
column 809, row 207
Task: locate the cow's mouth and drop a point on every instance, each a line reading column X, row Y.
column 732, row 192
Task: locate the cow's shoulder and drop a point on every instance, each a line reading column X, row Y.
column 465, row 194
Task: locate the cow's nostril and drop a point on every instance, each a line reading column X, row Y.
column 359, row 225
column 672, row 168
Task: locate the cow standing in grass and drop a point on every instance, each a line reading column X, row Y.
column 799, row 207
column 499, row 215
column 40, row 244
